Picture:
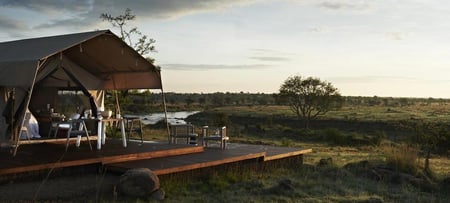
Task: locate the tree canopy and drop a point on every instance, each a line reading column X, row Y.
column 309, row 97
column 143, row 44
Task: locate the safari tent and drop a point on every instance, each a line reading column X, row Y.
column 33, row 70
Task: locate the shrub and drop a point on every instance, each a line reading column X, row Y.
column 377, row 138
column 335, row 136
column 402, row 158
column 286, row 142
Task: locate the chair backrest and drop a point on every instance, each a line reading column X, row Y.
column 215, row 131
column 75, row 116
column 181, row 129
column 223, row 131
column 77, row 125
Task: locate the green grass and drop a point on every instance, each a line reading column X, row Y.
column 305, row 183
column 438, row 112
column 309, row 183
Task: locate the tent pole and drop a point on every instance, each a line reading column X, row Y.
column 165, row 108
column 116, row 97
column 12, row 98
column 165, row 115
column 18, row 135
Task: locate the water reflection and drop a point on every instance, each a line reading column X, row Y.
column 172, row 117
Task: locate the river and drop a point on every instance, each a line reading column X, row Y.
column 172, row 117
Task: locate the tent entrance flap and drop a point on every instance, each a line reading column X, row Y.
column 84, row 90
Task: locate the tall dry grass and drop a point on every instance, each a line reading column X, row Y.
column 401, row 157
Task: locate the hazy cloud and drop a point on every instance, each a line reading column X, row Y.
column 396, row 35
column 371, row 78
column 212, row 66
column 50, row 5
column 317, row 30
column 344, row 4
column 270, row 55
column 270, row 58
column 84, row 14
column 12, row 28
column 8, row 23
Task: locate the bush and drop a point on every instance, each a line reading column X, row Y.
column 335, row 136
column 402, row 158
column 286, row 142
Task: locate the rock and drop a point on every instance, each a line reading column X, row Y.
column 358, row 166
column 325, row 162
column 138, row 182
column 284, row 187
column 159, row 194
column 285, row 184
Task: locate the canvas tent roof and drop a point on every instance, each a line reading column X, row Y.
column 97, row 61
column 100, row 55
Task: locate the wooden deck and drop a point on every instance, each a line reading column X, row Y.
column 211, row 157
column 162, row 158
column 47, row 155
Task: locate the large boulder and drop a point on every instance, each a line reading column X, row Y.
column 138, row 182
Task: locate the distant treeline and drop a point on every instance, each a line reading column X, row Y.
column 146, row 102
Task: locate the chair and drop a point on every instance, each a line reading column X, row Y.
column 55, row 126
column 77, row 127
column 54, row 121
column 219, row 135
column 24, row 128
column 74, row 126
column 182, row 131
column 133, row 124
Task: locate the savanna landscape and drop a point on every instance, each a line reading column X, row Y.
column 349, row 146
column 364, row 149
column 372, row 149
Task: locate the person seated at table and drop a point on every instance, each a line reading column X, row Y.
column 32, row 125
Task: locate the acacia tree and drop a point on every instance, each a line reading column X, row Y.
column 309, row 97
column 143, row 44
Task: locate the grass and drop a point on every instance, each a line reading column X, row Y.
column 430, row 112
column 309, row 183
column 306, row 183
column 294, row 184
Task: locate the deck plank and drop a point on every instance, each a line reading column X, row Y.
column 162, row 158
column 211, row 157
column 34, row 157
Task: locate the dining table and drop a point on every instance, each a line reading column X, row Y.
column 113, row 123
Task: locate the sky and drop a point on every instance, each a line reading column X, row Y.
column 387, row 48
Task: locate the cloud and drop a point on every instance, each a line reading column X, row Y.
column 344, row 5
column 9, row 23
column 85, row 14
column 268, row 58
column 50, row 5
column 317, row 30
column 173, row 9
column 270, row 55
column 372, row 79
column 12, row 27
column 396, row 35
column 213, row 66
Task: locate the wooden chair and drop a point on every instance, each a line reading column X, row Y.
column 218, row 135
column 182, row 131
column 133, row 125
